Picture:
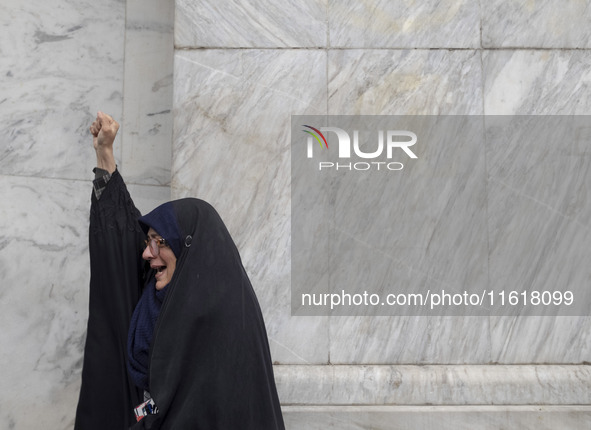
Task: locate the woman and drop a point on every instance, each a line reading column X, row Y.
column 194, row 341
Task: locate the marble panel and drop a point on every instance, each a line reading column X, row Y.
column 422, row 228
column 433, row 385
column 538, row 208
column 61, row 64
column 535, row 24
column 537, row 82
column 410, row 340
column 310, row 218
column 232, row 112
column 404, row 24
column 404, row 82
column 45, row 267
column 437, row 417
column 147, row 109
column 148, row 197
column 532, row 82
column 262, row 24
column 45, row 272
column 545, row 160
column 541, row 339
column 412, row 83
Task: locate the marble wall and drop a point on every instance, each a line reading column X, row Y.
column 241, row 70
column 62, row 61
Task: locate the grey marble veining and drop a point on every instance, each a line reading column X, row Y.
column 45, row 269
column 437, row 417
column 60, row 64
column 536, row 24
column 404, row 82
column 527, row 157
column 536, row 212
column 533, row 247
column 404, row 24
column 45, row 272
column 433, row 385
column 147, row 114
column 263, row 24
column 63, row 60
column 422, row 228
column 540, row 339
column 539, row 236
column 530, row 179
column 417, row 83
column 537, row 82
column 232, row 113
column 410, row 340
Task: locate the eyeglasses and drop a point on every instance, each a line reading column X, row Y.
column 155, row 244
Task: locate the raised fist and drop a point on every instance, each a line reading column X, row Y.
column 103, row 129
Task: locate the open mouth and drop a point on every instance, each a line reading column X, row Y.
column 159, row 270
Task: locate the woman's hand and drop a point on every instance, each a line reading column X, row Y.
column 104, row 129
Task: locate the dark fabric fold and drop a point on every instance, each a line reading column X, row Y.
column 107, row 394
column 210, row 363
column 140, row 335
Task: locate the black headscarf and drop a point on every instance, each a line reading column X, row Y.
column 210, row 366
column 143, row 321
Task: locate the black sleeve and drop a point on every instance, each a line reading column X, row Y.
column 107, row 395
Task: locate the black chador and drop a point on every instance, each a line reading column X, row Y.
column 209, row 361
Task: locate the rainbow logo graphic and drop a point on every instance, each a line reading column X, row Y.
column 316, row 135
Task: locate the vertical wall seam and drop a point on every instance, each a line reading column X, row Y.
column 121, row 135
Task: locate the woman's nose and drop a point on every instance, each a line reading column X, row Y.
column 147, row 254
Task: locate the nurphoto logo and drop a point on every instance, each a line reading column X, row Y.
column 396, row 143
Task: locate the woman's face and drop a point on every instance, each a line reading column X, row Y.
column 164, row 263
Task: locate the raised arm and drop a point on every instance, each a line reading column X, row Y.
column 107, row 395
